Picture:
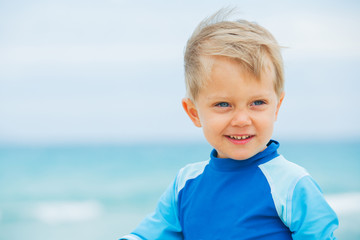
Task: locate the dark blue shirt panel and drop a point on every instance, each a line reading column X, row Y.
column 224, row 204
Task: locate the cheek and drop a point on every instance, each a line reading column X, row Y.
column 269, row 128
column 212, row 126
column 208, row 126
column 266, row 121
column 215, row 122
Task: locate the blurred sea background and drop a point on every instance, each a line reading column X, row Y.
column 91, row 125
column 103, row 192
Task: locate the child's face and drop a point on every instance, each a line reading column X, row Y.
column 236, row 111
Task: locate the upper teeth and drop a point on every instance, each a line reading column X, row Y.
column 240, row 137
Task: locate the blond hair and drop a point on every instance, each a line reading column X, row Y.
column 247, row 42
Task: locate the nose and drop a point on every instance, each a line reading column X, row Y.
column 241, row 118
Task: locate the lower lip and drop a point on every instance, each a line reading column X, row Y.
column 240, row 141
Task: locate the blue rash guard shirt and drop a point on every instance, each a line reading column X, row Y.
column 264, row 197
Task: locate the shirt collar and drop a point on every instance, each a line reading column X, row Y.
column 229, row 164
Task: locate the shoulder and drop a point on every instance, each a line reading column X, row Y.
column 193, row 167
column 283, row 176
column 282, row 173
column 286, row 168
column 190, row 171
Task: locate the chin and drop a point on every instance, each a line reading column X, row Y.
column 240, row 156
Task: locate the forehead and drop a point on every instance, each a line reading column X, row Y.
column 229, row 76
column 222, row 67
column 265, row 66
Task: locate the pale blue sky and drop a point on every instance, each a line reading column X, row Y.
column 112, row 70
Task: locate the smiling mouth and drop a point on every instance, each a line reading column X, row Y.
column 240, row 137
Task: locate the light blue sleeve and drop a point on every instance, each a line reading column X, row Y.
column 164, row 223
column 161, row 224
column 311, row 216
column 299, row 201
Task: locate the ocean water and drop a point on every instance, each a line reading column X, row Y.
column 102, row 192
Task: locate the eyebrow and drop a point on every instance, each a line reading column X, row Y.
column 267, row 95
column 220, row 97
column 217, row 97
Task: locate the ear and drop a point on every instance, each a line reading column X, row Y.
column 279, row 104
column 191, row 111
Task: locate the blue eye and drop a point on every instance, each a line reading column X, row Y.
column 258, row 103
column 223, row 104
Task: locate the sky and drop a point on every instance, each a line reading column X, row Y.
column 112, row 71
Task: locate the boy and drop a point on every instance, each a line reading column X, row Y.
column 234, row 80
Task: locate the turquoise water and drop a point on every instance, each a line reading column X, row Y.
column 102, row 192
